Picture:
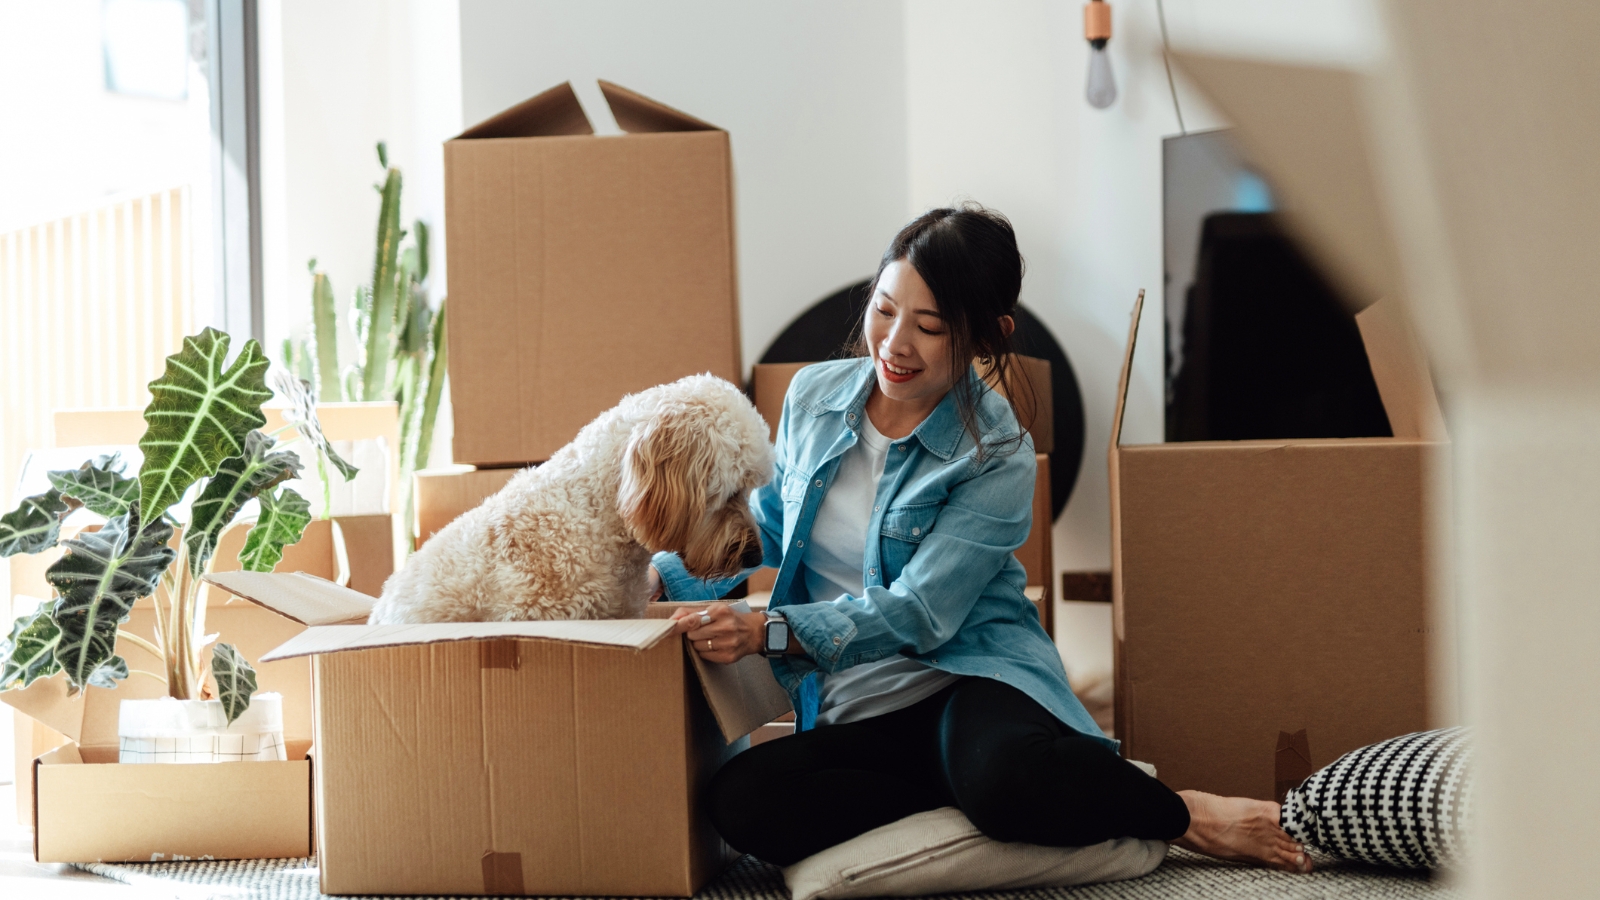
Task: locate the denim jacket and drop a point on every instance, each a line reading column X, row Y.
column 942, row 585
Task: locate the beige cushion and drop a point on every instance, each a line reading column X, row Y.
column 940, row 852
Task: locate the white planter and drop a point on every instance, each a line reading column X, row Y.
column 197, row 731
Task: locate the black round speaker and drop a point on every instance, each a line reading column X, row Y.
column 824, row 332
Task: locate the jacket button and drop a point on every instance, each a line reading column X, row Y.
column 799, row 543
column 902, row 448
column 836, row 640
column 916, row 531
column 872, row 571
column 819, row 482
column 852, row 417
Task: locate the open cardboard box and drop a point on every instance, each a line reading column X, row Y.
column 84, row 806
column 566, row 247
column 1266, row 588
column 555, row 758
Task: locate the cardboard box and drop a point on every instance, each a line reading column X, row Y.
column 582, row 268
column 1265, row 588
column 1037, row 554
column 1030, row 382
column 445, row 493
column 550, row 758
column 86, row 807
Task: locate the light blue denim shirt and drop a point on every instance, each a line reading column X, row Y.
column 942, row 585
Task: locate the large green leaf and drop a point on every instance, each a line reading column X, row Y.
column 302, row 414
column 34, row 525
column 284, row 517
column 99, row 485
column 30, row 652
column 108, row 673
column 239, row 480
column 198, row 416
column 98, row 580
column 236, row 680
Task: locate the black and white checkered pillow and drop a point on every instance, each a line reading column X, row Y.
column 1404, row 802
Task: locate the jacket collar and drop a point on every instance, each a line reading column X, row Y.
column 940, row 433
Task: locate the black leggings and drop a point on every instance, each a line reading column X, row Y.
column 983, row 746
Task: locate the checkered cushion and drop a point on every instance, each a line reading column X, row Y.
column 1405, row 802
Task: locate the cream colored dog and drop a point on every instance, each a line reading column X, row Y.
column 670, row 468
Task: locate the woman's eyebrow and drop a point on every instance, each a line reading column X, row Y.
column 927, row 312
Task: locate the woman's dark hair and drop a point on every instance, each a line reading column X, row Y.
column 968, row 258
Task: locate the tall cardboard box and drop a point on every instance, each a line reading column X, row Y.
column 84, row 806
column 582, row 268
column 443, row 494
column 1266, row 588
column 546, row 758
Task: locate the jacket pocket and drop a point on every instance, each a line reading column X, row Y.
column 793, row 489
column 903, row 529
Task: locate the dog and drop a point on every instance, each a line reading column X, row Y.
column 669, row 468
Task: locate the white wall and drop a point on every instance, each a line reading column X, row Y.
column 811, row 93
column 336, row 79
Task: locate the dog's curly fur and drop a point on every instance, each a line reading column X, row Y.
column 669, row 468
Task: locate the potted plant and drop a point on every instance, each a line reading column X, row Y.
column 202, row 439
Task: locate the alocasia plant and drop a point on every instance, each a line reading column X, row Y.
column 202, row 428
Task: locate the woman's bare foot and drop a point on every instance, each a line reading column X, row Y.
column 1239, row 828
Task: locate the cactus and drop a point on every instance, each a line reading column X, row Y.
column 385, row 287
column 401, row 341
column 324, row 335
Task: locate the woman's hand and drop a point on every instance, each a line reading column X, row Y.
column 721, row 635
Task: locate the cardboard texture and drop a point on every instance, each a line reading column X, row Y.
column 566, row 248
column 553, row 758
column 85, row 799
column 445, row 493
column 1262, row 587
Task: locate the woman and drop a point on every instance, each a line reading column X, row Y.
column 921, row 675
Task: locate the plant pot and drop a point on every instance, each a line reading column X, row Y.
column 197, row 731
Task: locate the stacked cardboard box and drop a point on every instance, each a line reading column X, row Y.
column 1272, row 594
column 582, row 268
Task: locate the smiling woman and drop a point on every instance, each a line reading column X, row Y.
column 921, row 347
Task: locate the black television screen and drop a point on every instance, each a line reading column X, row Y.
column 1259, row 344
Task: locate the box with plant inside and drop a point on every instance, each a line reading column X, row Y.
column 202, row 444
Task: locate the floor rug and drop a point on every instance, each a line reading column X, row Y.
column 1183, row 875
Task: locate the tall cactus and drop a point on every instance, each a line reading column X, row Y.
column 401, row 340
column 385, row 285
column 324, row 334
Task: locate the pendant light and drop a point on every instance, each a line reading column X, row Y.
column 1102, row 86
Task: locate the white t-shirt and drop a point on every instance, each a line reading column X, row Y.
column 835, row 559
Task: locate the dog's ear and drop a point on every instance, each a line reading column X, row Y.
column 665, row 471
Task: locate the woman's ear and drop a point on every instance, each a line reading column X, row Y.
column 1007, row 325
column 662, row 494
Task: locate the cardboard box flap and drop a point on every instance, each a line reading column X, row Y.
column 621, row 634
column 1402, row 375
column 48, row 701
column 637, row 114
column 303, row 598
column 554, row 113
column 1127, row 372
column 743, row 696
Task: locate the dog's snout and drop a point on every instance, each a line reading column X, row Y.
column 751, row 556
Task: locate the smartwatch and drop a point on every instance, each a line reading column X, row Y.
column 775, row 642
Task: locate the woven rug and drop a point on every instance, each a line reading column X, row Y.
column 1183, row 875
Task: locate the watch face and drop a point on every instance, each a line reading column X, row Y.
column 777, row 637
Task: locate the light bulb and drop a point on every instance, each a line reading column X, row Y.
column 1102, row 89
